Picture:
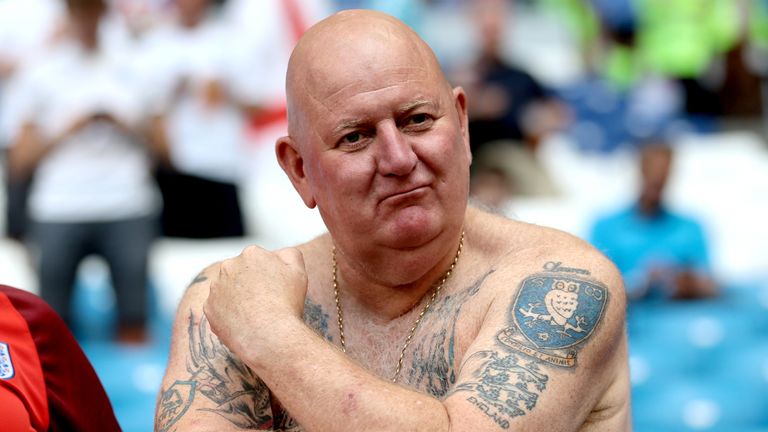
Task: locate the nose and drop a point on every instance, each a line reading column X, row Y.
column 395, row 156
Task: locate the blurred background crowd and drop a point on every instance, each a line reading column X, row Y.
column 137, row 148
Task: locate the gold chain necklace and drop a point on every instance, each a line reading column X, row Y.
column 435, row 291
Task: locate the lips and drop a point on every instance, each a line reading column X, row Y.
column 406, row 194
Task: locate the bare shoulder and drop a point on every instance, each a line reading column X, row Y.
column 198, row 288
column 520, row 248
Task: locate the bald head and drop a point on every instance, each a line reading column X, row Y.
column 360, row 48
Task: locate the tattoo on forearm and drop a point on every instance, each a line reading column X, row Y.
column 549, row 320
column 215, row 373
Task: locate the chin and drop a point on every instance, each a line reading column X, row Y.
column 413, row 227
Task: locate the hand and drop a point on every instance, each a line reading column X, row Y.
column 103, row 116
column 74, row 127
column 253, row 295
column 212, row 94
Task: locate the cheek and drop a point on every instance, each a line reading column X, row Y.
column 445, row 155
column 343, row 179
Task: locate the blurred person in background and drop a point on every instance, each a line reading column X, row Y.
column 46, row 381
column 660, row 253
column 509, row 104
column 511, row 113
column 677, row 40
column 27, row 28
column 206, row 89
column 78, row 115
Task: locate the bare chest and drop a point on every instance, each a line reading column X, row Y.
column 430, row 361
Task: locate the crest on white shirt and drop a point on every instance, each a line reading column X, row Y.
column 6, row 364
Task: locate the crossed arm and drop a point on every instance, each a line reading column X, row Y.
column 505, row 381
column 206, row 385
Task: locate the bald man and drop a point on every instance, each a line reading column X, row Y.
column 414, row 312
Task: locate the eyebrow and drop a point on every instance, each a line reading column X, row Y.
column 409, row 106
column 356, row 123
column 347, row 124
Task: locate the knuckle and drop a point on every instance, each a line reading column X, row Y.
column 251, row 250
column 225, row 267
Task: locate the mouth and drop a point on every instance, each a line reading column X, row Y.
column 406, row 195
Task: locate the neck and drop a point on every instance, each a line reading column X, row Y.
column 649, row 208
column 191, row 21
column 371, row 293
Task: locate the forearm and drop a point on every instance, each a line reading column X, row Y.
column 26, row 152
column 324, row 390
column 158, row 140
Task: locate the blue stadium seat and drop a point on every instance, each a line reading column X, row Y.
column 704, row 404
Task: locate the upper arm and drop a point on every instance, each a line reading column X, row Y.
column 549, row 348
column 205, row 384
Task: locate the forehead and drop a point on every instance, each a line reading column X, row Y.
column 360, row 55
column 371, row 86
column 376, row 72
column 368, row 60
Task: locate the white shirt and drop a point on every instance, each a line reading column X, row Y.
column 99, row 173
column 205, row 141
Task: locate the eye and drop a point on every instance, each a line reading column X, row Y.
column 352, row 137
column 353, row 141
column 417, row 122
column 418, row 119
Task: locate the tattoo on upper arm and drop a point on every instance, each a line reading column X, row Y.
column 199, row 278
column 553, row 314
column 505, row 386
column 215, row 373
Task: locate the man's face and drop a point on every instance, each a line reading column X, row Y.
column 655, row 168
column 191, row 10
column 85, row 23
column 384, row 146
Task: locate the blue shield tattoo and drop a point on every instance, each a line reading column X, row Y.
column 557, row 313
column 554, row 313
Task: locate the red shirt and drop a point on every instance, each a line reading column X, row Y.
column 46, row 382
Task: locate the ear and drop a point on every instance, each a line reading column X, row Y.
column 291, row 161
column 460, row 102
